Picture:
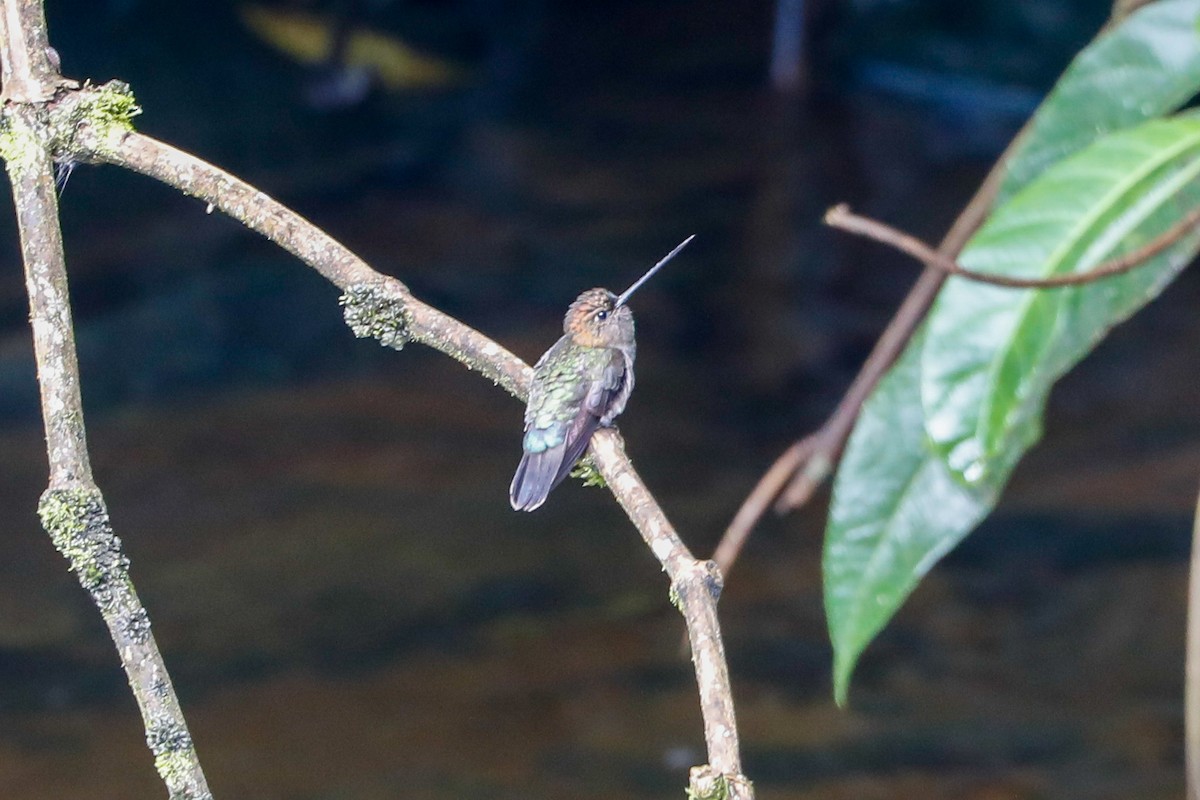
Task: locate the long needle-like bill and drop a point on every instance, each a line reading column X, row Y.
column 650, row 272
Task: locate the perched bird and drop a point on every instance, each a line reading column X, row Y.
column 579, row 384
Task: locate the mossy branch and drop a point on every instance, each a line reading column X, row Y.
column 78, row 524
column 33, row 133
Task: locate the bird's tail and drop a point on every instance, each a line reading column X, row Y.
column 537, row 475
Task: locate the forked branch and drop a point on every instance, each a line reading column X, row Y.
column 796, row 474
column 804, row 466
column 379, row 306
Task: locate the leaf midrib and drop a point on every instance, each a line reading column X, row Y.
column 1055, row 261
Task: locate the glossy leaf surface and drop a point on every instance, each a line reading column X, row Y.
column 1147, row 66
column 991, row 354
column 896, row 510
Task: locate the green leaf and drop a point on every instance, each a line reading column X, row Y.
column 992, row 354
column 896, row 510
column 989, row 355
column 896, row 506
column 1147, row 66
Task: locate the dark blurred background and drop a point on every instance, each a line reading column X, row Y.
column 320, row 527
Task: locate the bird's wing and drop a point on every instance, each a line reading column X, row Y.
column 552, row 447
column 595, row 406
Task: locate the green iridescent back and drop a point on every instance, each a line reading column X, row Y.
column 563, row 378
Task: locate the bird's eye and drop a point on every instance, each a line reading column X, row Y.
column 602, row 314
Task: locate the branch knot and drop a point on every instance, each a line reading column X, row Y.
column 103, row 113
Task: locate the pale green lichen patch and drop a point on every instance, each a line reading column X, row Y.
column 114, row 104
column 707, row 784
column 134, row 627
column 77, row 522
column 106, row 112
column 586, row 471
column 165, row 736
column 19, row 145
column 174, row 769
column 372, row 313
column 174, row 756
column 675, row 598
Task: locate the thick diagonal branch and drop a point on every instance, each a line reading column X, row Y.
column 413, row 320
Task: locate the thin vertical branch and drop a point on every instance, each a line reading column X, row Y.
column 1191, row 710
column 49, row 307
column 72, row 509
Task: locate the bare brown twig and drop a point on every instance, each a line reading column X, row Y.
column 821, row 449
column 841, row 217
column 760, row 499
column 1122, row 9
column 808, row 462
column 832, row 436
column 381, row 306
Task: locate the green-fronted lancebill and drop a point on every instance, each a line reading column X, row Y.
column 579, row 384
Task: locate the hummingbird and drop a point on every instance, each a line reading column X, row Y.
column 581, row 383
